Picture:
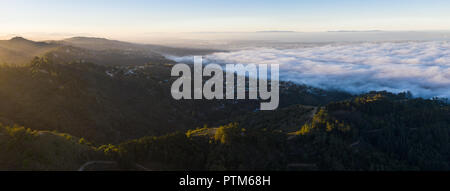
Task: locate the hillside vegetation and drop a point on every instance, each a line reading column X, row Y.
column 111, row 101
column 25, row 149
column 377, row 131
column 109, row 104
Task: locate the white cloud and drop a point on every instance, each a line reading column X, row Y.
column 420, row 67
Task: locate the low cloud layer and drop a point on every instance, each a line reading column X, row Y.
column 420, row 67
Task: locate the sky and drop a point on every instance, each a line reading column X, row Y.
column 113, row 18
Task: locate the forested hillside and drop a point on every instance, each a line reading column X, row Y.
column 377, row 131
column 83, row 102
column 108, row 104
column 20, row 51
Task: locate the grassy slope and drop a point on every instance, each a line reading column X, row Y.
column 19, row 51
column 25, row 149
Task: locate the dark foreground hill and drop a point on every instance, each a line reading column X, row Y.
column 110, row 104
column 26, row 149
column 84, row 100
column 377, row 132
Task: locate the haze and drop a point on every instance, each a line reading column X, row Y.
column 146, row 21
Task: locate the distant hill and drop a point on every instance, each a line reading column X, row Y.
column 20, row 51
column 355, row 31
column 275, row 31
column 106, row 57
column 105, row 44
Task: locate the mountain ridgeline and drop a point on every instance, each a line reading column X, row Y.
column 65, row 103
column 20, row 51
